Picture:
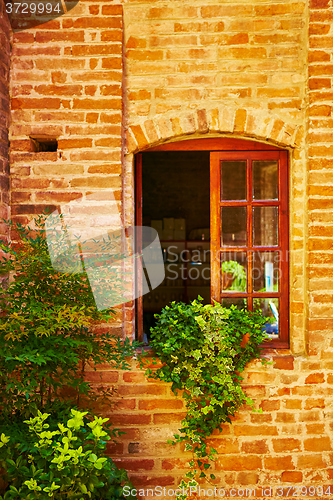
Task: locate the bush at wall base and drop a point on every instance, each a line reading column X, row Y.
column 47, row 329
column 204, row 348
column 60, row 460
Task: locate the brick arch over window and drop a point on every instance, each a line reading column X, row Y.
column 239, row 122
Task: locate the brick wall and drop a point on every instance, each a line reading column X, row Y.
column 4, row 116
column 320, row 190
column 66, row 84
column 198, row 69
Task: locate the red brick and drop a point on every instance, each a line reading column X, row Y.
column 224, row 445
column 323, row 110
column 319, row 83
column 31, row 103
column 319, row 4
column 97, row 103
column 288, row 444
column 314, row 403
column 151, row 481
column 284, row 363
column 278, row 463
column 270, row 405
column 319, row 56
column 311, row 461
column 291, row 477
column 99, row 376
column 315, row 428
column 175, row 463
column 315, row 378
column 255, row 430
column 285, row 417
column 317, row 444
column 74, row 143
column 134, row 464
column 131, row 419
column 259, row 446
column 124, row 404
column 258, row 418
column 245, row 478
column 57, row 197
column 114, row 448
column 134, row 377
column 239, row 463
column 293, row 404
column 160, row 404
column 167, row 418
column 112, row 10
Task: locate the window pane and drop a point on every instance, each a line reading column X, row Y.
column 233, row 180
column 239, row 303
column 265, row 271
column 234, row 271
column 270, row 309
column 265, row 180
column 265, row 226
column 233, row 226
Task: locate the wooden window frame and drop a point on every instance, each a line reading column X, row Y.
column 233, row 149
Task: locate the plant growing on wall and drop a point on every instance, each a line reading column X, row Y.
column 47, row 321
column 47, row 338
column 60, row 460
column 204, row 348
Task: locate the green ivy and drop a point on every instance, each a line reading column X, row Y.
column 203, row 351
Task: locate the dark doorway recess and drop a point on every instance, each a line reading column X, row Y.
column 176, row 201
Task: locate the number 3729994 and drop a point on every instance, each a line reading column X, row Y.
column 300, row 491
column 34, row 8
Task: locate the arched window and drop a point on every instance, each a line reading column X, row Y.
column 245, row 246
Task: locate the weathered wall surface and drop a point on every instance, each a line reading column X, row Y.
column 320, row 191
column 4, row 116
column 196, row 69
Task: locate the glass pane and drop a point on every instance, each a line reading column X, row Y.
column 233, row 226
column 239, row 303
column 233, row 180
column 266, row 271
column 265, row 226
column 270, row 309
column 234, row 271
column 265, row 180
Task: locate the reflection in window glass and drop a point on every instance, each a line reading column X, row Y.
column 265, row 226
column 234, row 271
column 233, row 232
column 239, row 303
column 233, row 180
column 265, row 180
column 270, row 309
column 265, row 271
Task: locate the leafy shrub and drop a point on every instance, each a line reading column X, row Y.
column 204, row 348
column 60, row 460
column 47, row 338
column 47, row 325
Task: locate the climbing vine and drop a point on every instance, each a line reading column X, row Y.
column 203, row 350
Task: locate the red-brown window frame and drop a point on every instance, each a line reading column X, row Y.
column 233, row 149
